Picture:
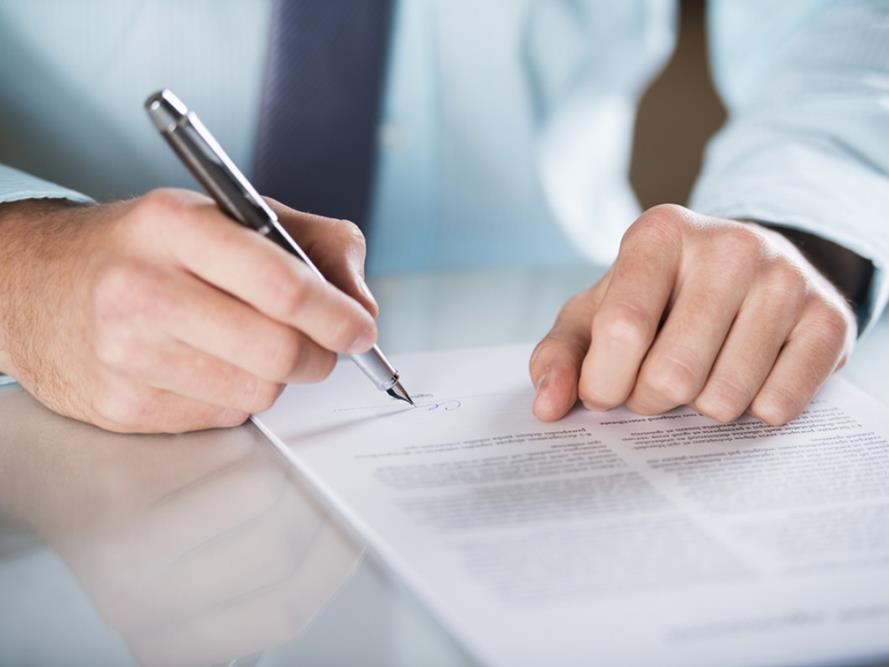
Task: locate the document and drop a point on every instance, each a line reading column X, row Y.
column 608, row 538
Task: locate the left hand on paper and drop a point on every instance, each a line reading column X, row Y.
column 723, row 315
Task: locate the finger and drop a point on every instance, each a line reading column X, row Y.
column 678, row 364
column 211, row 321
column 555, row 362
column 815, row 348
column 763, row 324
column 246, row 265
column 182, row 370
column 125, row 407
column 627, row 320
column 337, row 247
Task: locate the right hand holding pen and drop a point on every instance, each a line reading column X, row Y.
column 160, row 314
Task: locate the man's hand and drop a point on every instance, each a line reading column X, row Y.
column 726, row 316
column 162, row 315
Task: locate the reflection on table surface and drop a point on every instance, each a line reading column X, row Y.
column 204, row 548
column 186, row 550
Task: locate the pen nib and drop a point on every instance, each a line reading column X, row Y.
column 397, row 391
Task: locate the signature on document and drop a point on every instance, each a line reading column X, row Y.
column 422, row 402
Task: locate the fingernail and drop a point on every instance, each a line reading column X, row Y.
column 364, row 341
column 541, row 385
column 594, row 407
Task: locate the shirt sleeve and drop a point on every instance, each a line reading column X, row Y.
column 16, row 185
column 806, row 146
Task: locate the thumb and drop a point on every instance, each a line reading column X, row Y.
column 556, row 362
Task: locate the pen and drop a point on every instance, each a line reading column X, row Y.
column 205, row 159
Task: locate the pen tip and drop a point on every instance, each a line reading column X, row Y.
column 398, row 391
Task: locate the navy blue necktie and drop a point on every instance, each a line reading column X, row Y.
column 316, row 148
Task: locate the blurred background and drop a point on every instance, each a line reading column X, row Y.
column 677, row 115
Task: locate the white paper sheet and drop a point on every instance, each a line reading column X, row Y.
column 608, row 538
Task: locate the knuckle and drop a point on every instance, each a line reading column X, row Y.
column 290, row 292
column 775, row 406
column 346, row 330
column 324, row 368
column 161, row 204
column 592, row 393
column 296, row 360
column 723, row 399
column 717, row 409
column 265, row 395
column 733, row 255
column 668, row 214
column 832, row 326
column 661, row 225
column 287, row 355
column 125, row 290
column 671, row 379
column 624, row 324
column 123, row 407
column 112, row 289
column 157, row 210
column 741, row 242
column 786, row 279
column 114, row 347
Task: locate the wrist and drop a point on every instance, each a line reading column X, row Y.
column 28, row 231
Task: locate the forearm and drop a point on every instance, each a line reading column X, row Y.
column 33, row 233
column 27, row 202
column 10, row 265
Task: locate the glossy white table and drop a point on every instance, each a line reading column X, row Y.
column 204, row 548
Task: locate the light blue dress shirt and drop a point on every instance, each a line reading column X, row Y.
column 506, row 126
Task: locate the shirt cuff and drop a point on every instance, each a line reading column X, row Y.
column 812, row 190
column 16, row 186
